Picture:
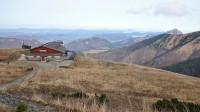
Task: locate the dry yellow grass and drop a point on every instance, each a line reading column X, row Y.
column 93, row 51
column 4, row 108
column 12, row 71
column 129, row 87
column 11, row 54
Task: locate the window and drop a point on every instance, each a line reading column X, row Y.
column 42, row 50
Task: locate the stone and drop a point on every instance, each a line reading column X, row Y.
column 22, row 58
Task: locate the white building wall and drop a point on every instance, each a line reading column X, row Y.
column 32, row 58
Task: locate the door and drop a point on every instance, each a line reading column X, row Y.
column 42, row 59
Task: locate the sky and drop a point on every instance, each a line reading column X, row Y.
column 145, row 15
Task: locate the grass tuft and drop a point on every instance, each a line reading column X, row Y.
column 22, row 107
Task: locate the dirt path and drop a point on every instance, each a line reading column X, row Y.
column 13, row 102
column 54, row 64
column 20, row 79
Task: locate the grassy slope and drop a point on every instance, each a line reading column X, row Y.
column 14, row 69
column 189, row 67
column 11, row 72
column 11, row 54
column 127, row 86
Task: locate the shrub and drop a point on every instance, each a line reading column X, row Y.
column 59, row 94
column 30, row 69
column 22, row 107
column 73, row 95
column 174, row 105
column 78, row 95
column 102, row 98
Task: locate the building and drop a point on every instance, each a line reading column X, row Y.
column 25, row 46
column 50, row 51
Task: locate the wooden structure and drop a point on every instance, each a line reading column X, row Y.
column 47, row 52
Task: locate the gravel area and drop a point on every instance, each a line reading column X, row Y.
column 13, row 102
column 54, row 64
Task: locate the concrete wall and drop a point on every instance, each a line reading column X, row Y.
column 32, row 58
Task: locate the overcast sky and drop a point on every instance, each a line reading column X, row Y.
column 147, row 15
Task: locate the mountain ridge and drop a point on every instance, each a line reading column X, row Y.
column 17, row 43
column 162, row 50
column 88, row 43
column 174, row 32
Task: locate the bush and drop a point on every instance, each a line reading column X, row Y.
column 78, row 95
column 58, row 94
column 73, row 95
column 102, row 98
column 22, row 107
column 174, row 105
column 30, row 69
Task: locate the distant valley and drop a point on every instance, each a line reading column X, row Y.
column 70, row 37
column 98, row 43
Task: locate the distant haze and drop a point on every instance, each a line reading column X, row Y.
column 143, row 15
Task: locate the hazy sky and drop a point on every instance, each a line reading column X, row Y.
column 155, row 15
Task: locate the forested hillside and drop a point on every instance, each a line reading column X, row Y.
column 189, row 67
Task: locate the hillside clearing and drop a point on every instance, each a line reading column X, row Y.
column 127, row 86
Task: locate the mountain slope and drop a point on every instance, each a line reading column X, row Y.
column 188, row 47
column 121, row 54
column 159, row 51
column 114, row 37
column 189, row 67
column 128, row 42
column 99, row 43
column 87, row 44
